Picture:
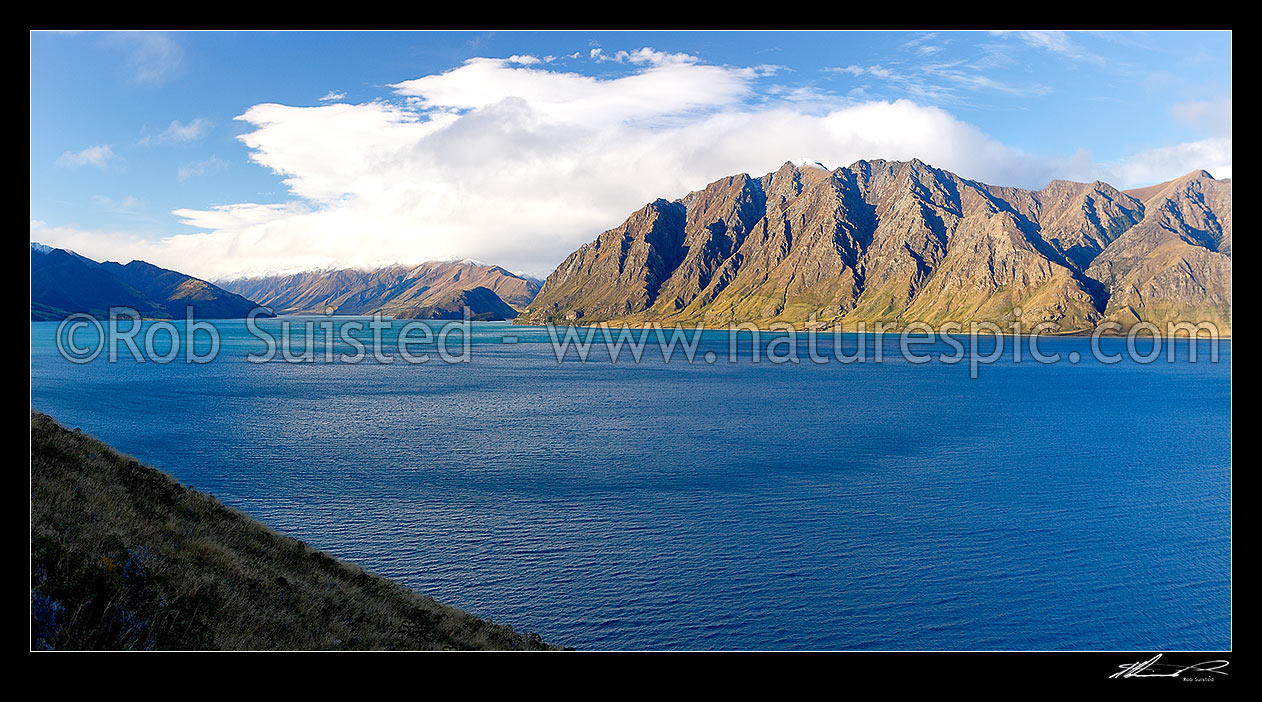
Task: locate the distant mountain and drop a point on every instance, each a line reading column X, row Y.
column 903, row 242
column 63, row 283
column 432, row 290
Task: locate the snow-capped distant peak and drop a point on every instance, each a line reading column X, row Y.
column 466, row 261
column 38, row 248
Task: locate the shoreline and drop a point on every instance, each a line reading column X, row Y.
column 737, row 326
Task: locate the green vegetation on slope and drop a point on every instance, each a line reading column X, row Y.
column 125, row 557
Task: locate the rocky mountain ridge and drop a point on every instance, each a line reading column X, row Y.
column 903, row 242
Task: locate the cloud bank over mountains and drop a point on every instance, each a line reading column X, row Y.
column 518, row 161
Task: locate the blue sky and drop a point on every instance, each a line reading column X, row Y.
column 238, row 153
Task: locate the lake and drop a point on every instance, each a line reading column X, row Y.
column 726, row 505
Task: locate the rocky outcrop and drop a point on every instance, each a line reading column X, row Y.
column 905, row 242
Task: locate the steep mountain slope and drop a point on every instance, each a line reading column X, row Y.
column 397, row 290
column 903, row 242
column 1175, row 264
column 621, row 271
column 125, row 557
column 63, row 282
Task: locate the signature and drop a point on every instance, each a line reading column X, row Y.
column 1152, row 669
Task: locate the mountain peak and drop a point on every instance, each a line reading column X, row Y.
column 805, row 163
column 1149, row 192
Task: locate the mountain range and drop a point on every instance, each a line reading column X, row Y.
column 432, row 290
column 902, row 242
column 877, row 241
column 64, row 283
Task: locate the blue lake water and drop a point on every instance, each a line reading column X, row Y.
column 742, row 505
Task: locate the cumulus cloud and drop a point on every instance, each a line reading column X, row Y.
column 643, row 55
column 665, row 87
column 504, row 160
column 99, row 156
column 333, row 95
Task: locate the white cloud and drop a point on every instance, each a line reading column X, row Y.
column 511, row 163
column 333, row 95
column 1213, row 116
column 876, row 71
column 179, row 132
column 153, row 57
column 214, row 164
column 98, row 156
column 109, row 245
column 665, row 87
column 940, row 82
column 1163, row 163
column 127, row 205
column 1055, row 41
column 974, row 80
column 643, row 56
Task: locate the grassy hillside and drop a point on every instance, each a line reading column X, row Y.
column 125, row 557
